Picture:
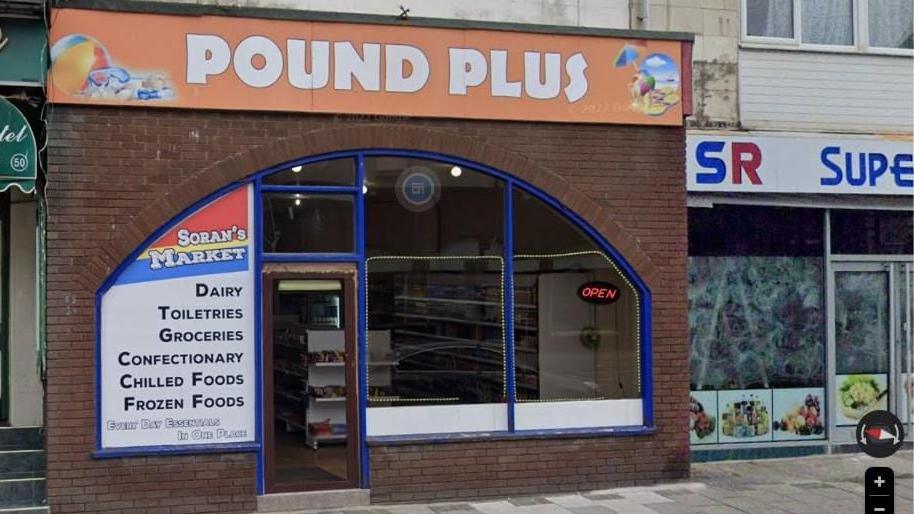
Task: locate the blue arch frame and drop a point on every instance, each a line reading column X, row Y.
column 358, row 258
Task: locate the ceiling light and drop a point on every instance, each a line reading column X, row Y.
column 456, row 171
column 310, row 285
column 297, row 202
column 296, row 169
column 364, row 189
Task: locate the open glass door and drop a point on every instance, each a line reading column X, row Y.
column 310, row 407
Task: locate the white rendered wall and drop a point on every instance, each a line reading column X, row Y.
column 583, row 13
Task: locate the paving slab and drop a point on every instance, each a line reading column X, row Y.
column 410, row 509
column 800, row 485
column 496, row 507
column 571, row 500
column 591, row 509
column 627, row 507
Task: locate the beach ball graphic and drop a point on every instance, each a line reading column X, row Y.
column 646, row 83
column 73, row 57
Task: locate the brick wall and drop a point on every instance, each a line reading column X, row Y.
column 109, row 165
column 420, row 473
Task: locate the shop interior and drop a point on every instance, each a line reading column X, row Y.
column 309, row 383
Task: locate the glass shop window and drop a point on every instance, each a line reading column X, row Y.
column 299, row 223
column 336, row 172
column 422, row 207
column 756, row 298
column 435, row 240
column 565, row 347
column 435, row 331
column 436, row 308
column 872, row 232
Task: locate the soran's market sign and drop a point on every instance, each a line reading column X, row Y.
column 213, row 62
column 176, row 337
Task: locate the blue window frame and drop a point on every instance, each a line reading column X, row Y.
column 359, row 258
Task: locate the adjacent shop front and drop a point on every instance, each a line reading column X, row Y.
column 800, row 288
column 23, row 64
column 362, row 254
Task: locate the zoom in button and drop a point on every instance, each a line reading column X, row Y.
column 879, row 488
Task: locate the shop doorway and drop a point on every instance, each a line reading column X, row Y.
column 309, row 359
column 871, row 330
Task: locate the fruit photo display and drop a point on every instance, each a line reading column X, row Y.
column 798, row 414
column 703, row 419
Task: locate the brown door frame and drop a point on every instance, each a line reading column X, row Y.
column 347, row 274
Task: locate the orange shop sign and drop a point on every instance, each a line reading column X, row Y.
column 217, row 62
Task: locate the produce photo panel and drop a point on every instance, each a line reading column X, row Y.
column 703, row 417
column 798, row 414
column 744, row 415
column 859, row 394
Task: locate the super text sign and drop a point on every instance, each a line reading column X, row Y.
column 765, row 164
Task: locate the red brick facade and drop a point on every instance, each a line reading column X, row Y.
column 116, row 174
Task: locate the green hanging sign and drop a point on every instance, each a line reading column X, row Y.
column 18, row 152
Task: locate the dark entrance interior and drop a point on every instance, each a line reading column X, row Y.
column 309, row 378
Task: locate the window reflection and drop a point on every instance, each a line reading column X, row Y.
column 435, row 330
column 308, row 223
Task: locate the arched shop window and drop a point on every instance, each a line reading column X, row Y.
column 484, row 304
column 567, row 349
column 439, row 358
column 443, row 288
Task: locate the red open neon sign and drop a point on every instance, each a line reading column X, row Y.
column 598, row 292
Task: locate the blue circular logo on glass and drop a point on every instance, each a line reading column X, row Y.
column 418, row 189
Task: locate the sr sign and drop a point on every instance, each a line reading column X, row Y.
column 763, row 164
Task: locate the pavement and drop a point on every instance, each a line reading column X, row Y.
column 800, row 485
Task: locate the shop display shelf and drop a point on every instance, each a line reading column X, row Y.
column 314, row 440
column 443, row 338
column 292, row 372
column 291, row 396
column 335, row 364
column 292, row 423
column 407, row 350
column 324, row 374
column 291, row 346
column 456, row 320
column 324, row 399
column 460, row 301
